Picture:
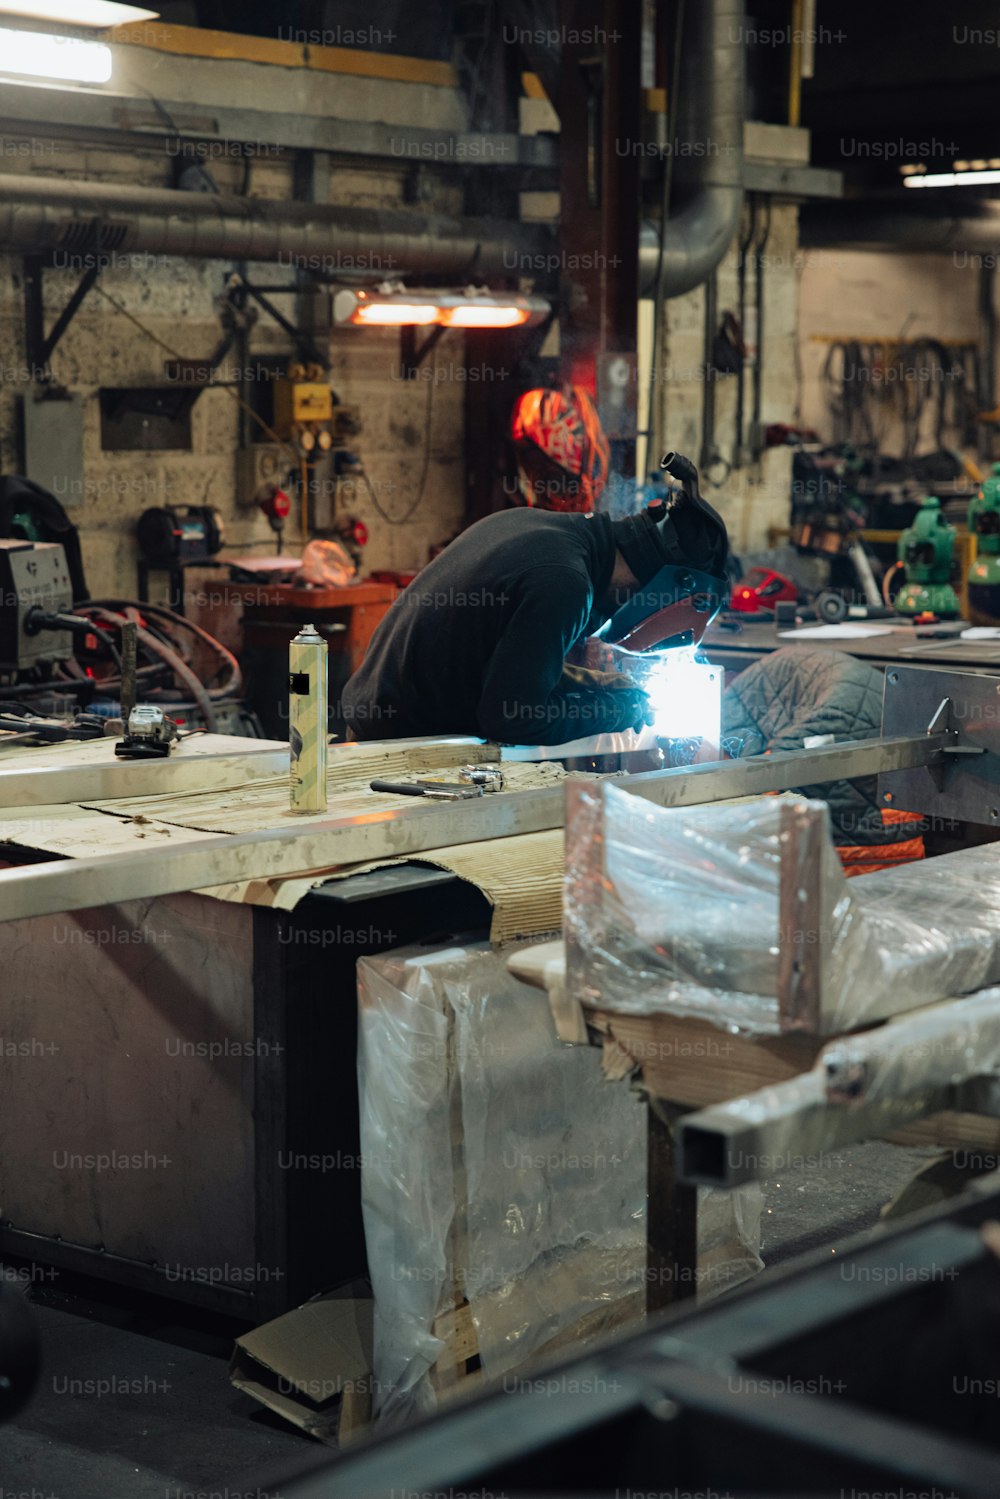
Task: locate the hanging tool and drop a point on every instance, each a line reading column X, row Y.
column 711, row 459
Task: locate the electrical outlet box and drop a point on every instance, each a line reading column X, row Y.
column 299, row 401
column 259, row 468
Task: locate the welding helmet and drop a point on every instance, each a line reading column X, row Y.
column 675, row 608
column 562, row 452
column 677, row 549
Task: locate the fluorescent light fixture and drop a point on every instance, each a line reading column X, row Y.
column 34, row 54
column 951, row 179
column 403, row 307
column 99, row 13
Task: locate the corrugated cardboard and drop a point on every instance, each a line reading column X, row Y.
column 313, row 1365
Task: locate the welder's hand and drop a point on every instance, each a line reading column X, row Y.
column 636, row 709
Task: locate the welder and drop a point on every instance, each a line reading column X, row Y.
column 477, row 644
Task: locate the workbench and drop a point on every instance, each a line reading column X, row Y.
column 198, row 1046
column 735, row 649
column 274, row 978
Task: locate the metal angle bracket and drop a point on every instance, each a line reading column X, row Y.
column 944, row 722
column 963, row 782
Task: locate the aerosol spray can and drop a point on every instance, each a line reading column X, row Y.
column 307, row 733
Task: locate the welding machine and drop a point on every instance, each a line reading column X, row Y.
column 36, row 600
column 984, row 574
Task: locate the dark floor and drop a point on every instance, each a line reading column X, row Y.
column 137, row 1405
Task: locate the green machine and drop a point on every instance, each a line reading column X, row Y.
column 984, row 574
column 926, row 550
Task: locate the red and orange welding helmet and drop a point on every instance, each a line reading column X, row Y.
column 562, row 452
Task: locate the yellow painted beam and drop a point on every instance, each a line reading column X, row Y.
column 230, row 46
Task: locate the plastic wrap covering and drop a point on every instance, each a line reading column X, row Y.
column 906, row 937
column 940, row 1047
column 674, row 911
column 501, row 1169
column 718, row 911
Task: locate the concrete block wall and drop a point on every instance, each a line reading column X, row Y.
column 865, row 294
column 178, row 301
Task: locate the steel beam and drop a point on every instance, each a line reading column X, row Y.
column 26, row 785
column 71, row 885
column 861, row 1087
column 132, row 120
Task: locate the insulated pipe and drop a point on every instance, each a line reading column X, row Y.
column 708, row 162
column 83, row 219
column 898, row 225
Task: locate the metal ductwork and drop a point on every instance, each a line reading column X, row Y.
column 890, row 226
column 707, row 190
column 77, row 219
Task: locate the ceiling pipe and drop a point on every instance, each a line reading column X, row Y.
column 80, row 219
column 974, row 229
column 707, row 198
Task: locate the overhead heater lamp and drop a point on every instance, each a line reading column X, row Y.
column 416, row 308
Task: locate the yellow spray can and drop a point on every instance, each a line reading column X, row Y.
column 307, row 726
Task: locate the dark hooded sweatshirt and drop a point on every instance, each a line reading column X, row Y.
column 477, row 643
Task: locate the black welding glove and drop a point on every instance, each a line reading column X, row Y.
column 635, row 709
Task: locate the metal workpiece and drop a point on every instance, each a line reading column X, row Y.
column 786, row 1127
column 334, row 842
column 27, row 785
column 43, row 889
column 936, row 1047
column 964, row 707
column 942, row 1057
column 693, row 785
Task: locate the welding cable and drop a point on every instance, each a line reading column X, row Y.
column 887, row 578
column 401, row 520
column 156, row 646
column 105, row 639
column 230, row 686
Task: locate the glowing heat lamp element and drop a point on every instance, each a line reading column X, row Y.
column 396, row 306
column 36, row 54
column 484, row 317
column 395, row 314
